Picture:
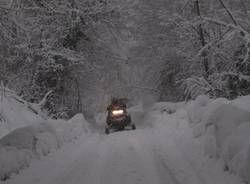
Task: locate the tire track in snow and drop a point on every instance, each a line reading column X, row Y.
column 165, row 174
column 173, row 159
column 126, row 161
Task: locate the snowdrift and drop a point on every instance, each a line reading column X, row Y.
column 167, row 107
column 16, row 113
column 224, row 128
column 27, row 133
column 34, row 141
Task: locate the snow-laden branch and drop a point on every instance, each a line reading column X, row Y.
column 34, row 107
column 225, row 37
column 44, row 100
column 244, row 33
column 247, row 45
column 186, row 22
column 228, row 12
column 240, row 76
column 225, row 24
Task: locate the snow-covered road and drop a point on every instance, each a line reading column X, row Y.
column 149, row 155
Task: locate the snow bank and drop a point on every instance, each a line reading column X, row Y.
column 12, row 160
column 205, row 116
column 196, row 109
column 34, row 141
column 224, row 128
column 167, row 107
column 68, row 130
column 16, row 113
column 226, row 120
column 137, row 114
column 236, row 151
column 100, row 118
column 243, row 102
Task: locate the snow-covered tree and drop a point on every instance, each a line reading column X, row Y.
column 214, row 36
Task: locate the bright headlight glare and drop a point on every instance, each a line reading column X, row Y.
column 117, row 112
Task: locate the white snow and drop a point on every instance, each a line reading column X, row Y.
column 34, row 141
column 200, row 142
column 223, row 127
column 16, row 113
column 26, row 132
column 167, row 107
column 243, row 102
column 196, row 109
column 162, row 150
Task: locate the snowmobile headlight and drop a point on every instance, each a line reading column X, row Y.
column 117, row 112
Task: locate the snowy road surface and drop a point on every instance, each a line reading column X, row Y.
column 149, row 155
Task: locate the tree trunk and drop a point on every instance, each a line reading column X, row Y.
column 202, row 40
column 79, row 98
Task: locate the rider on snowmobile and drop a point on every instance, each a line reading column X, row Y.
column 118, row 118
column 116, row 102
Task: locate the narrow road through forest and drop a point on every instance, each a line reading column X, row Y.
column 144, row 156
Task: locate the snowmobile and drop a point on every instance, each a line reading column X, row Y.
column 118, row 118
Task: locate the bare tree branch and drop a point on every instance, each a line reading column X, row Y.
column 228, row 12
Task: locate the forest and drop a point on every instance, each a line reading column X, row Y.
column 87, row 51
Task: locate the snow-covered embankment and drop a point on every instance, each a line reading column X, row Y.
column 224, row 129
column 26, row 135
